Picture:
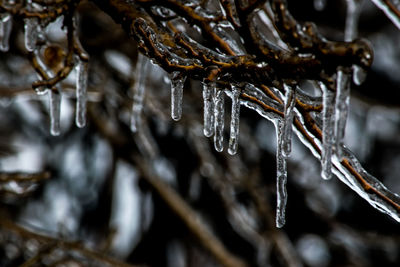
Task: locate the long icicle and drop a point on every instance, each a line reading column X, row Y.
column 219, row 106
column 290, row 101
column 54, row 103
column 281, row 176
column 327, row 130
column 5, row 31
column 209, row 88
column 341, row 108
column 142, row 70
column 234, row 127
column 81, row 92
column 177, row 84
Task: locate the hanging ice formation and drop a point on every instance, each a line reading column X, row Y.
column 31, row 33
column 177, row 83
column 54, row 104
column 328, row 121
column 341, row 108
column 281, row 175
column 219, row 107
column 209, row 88
column 352, row 16
column 142, row 69
column 290, row 101
column 81, row 92
column 234, row 127
column 5, row 31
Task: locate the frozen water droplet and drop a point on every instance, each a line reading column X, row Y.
column 31, row 33
column 328, row 102
column 54, row 103
column 142, row 69
column 177, row 83
column 5, row 31
column 281, row 177
column 81, row 92
column 359, row 75
column 234, row 127
column 219, row 107
column 209, row 88
column 319, row 5
column 341, row 108
column 290, row 101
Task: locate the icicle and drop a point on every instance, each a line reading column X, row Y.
column 31, row 33
column 219, row 120
column 81, row 91
column 281, row 176
column 389, row 11
column 177, row 83
column 341, row 108
column 5, row 31
column 234, row 128
column 328, row 122
column 319, row 5
column 353, row 13
column 208, row 94
column 142, row 69
column 359, row 75
column 54, row 103
column 290, row 101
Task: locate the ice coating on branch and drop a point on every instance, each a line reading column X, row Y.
column 359, row 74
column 177, row 83
column 341, row 108
column 352, row 16
column 209, row 88
column 290, row 101
column 234, row 127
column 319, row 5
column 54, row 103
column 81, row 92
column 31, row 33
column 5, row 31
column 142, row 69
column 328, row 123
column 386, row 8
column 219, row 102
column 281, row 176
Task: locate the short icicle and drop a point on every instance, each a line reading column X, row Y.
column 328, row 121
column 81, row 92
column 209, row 88
column 234, row 127
column 5, row 31
column 281, row 176
column 219, row 107
column 341, row 108
column 54, row 104
column 31, row 33
column 142, row 69
column 177, row 83
column 290, row 101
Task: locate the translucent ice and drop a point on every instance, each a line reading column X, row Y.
column 234, row 127
column 219, row 120
column 5, row 31
column 327, row 131
column 208, row 94
column 177, row 83
column 81, row 92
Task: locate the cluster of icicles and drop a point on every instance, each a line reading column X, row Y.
column 33, row 31
column 334, row 116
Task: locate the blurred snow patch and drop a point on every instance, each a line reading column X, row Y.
column 313, row 250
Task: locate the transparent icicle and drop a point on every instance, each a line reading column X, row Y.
column 281, row 176
column 389, row 11
column 177, row 83
column 290, row 101
column 81, row 92
column 352, row 16
column 219, row 102
column 341, row 108
column 31, row 33
column 359, row 74
column 208, row 94
column 142, row 69
column 54, row 103
column 5, row 31
column 234, row 127
column 319, row 5
column 328, row 123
